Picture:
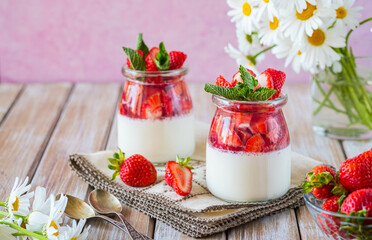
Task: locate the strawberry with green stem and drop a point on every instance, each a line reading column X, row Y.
column 135, row 171
column 178, row 175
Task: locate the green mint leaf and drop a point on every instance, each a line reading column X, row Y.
column 228, row 93
column 261, row 94
column 141, row 45
column 247, row 78
column 136, row 61
column 242, row 90
column 162, row 58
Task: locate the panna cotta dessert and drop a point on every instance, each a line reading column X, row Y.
column 155, row 117
column 248, row 154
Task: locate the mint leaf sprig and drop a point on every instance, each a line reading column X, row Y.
column 242, row 91
column 162, row 60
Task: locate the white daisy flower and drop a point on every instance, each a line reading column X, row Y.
column 297, row 25
column 243, row 13
column 285, row 48
column 318, row 50
column 346, row 15
column 18, row 202
column 57, row 208
column 266, row 8
column 298, row 5
column 40, row 210
column 75, row 231
column 270, row 32
column 248, row 43
column 242, row 59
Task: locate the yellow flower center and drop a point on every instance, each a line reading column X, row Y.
column 299, row 53
column 274, row 24
column 247, row 10
column 53, row 224
column 266, row 1
column 341, row 12
column 317, row 39
column 74, row 238
column 306, row 13
column 250, row 64
column 15, row 205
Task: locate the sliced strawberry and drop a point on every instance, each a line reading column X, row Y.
column 176, row 59
column 265, row 80
column 167, row 105
column 149, row 59
column 132, row 101
column 128, row 61
column 152, row 107
column 237, row 78
column 268, row 126
column 278, row 79
column 256, row 143
column 179, row 176
column 221, row 81
column 242, row 125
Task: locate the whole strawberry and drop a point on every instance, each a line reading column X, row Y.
column 331, row 224
column 356, row 173
column 322, row 182
column 358, row 203
column 178, row 175
column 176, row 59
column 135, row 171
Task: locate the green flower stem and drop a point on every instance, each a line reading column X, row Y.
column 5, row 214
column 329, row 106
column 24, row 231
column 2, row 204
column 265, row 50
column 348, row 34
column 325, row 99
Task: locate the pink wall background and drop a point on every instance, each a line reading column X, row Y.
column 80, row 41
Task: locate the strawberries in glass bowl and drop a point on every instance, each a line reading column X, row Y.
column 341, row 202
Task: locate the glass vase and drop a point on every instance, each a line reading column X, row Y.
column 342, row 100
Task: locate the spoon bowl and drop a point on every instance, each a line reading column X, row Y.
column 104, row 202
column 78, row 209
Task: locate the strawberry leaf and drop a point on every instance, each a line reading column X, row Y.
column 162, row 59
column 247, row 78
column 141, row 45
column 136, row 61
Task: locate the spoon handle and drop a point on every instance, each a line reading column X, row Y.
column 119, row 225
column 135, row 235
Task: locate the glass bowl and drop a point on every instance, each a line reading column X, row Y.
column 336, row 225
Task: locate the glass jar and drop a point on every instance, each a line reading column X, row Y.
column 248, row 156
column 155, row 117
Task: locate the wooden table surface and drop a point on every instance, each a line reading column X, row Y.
column 41, row 124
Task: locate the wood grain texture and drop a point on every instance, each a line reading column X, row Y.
column 8, row 93
column 83, row 127
column 305, row 141
column 27, row 129
column 354, row 148
column 143, row 223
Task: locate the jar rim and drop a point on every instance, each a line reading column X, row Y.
column 131, row 73
column 250, row 106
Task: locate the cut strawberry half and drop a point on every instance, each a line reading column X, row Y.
column 256, row 143
column 176, row 59
column 149, row 60
column 179, row 176
column 221, row 81
column 132, row 100
column 268, row 126
column 265, row 80
column 128, row 61
column 278, row 79
column 167, row 105
column 237, row 78
column 152, row 107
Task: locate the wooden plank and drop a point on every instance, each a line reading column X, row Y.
column 8, row 94
column 140, row 221
column 27, row 128
column 354, row 148
column 83, row 127
column 298, row 115
column 271, row 227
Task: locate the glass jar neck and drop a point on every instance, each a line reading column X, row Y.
column 250, row 107
column 156, row 77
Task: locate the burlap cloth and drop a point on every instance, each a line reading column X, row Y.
column 200, row 213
